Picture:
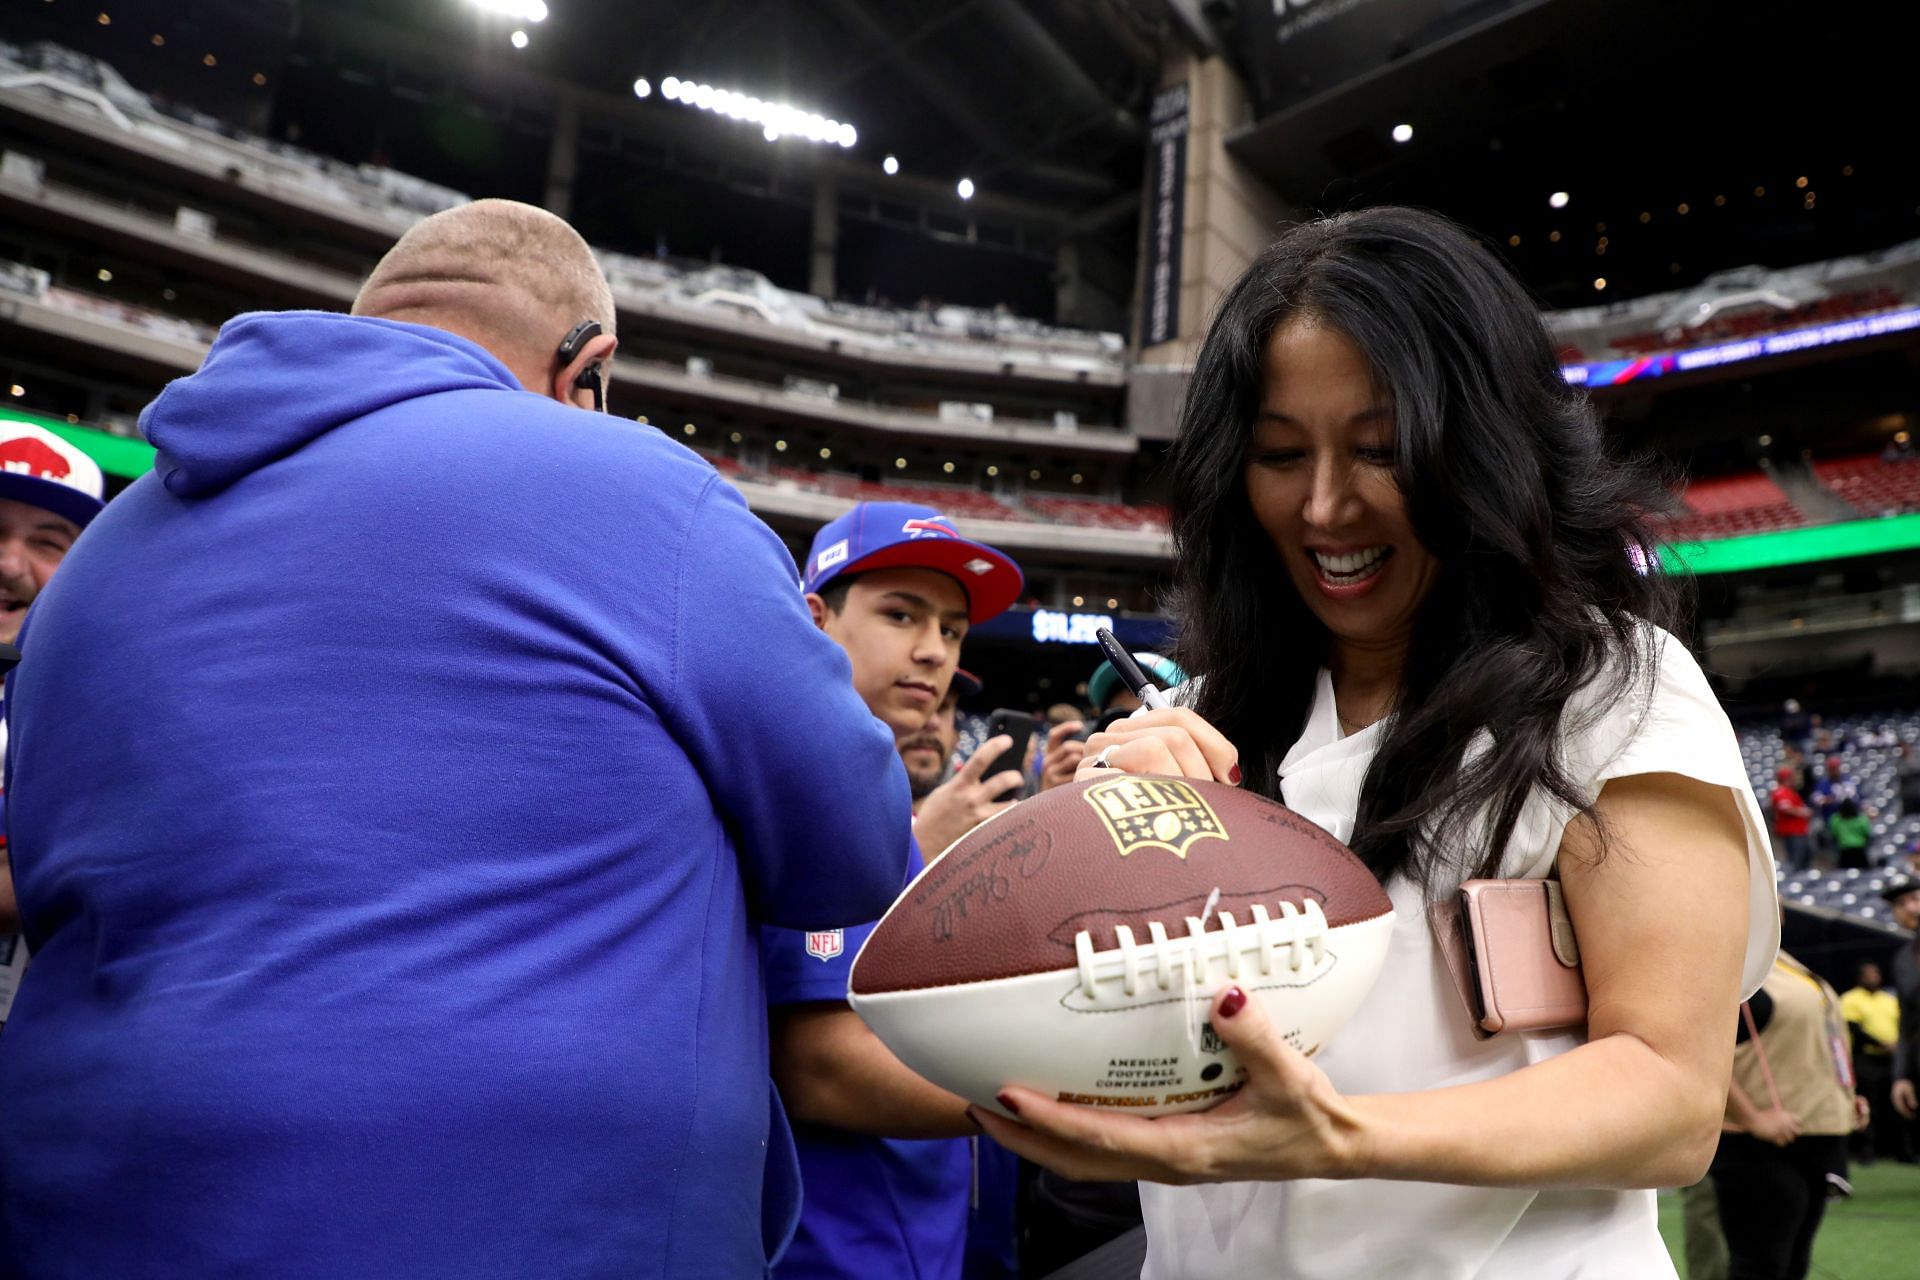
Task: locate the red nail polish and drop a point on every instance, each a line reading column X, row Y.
column 1233, row 775
column 1013, row 1108
column 1233, row 1002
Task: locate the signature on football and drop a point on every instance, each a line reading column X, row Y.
column 985, row 876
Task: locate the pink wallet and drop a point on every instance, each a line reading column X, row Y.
column 1510, row 948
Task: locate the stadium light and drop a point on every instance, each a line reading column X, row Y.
column 777, row 120
column 518, row 10
column 889, row 166
column 519, row 39
column 1559, row 199
column 965, row 188
column 1403, row 133
column 642, row 88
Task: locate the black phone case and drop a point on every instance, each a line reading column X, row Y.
column 1015, row 757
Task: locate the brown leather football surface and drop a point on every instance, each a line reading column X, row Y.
column 1009, row 896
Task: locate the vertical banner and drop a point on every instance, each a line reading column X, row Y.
column 1166, row 209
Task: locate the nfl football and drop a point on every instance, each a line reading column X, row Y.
column 1073, row 944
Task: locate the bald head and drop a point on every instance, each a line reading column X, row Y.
column 512, row 277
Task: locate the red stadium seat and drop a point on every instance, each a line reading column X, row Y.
column 1726, row 506
column 1872, row 486
column 1098, row 513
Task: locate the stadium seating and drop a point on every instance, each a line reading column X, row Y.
column 956, row 499
column 79, row 85
column 1873, row 485
column 1872, row 769
column 1726, row 506
column 1097, row 513
column 1746, row 324
column 1741, row 303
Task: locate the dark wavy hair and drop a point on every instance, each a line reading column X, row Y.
column 1538, row 533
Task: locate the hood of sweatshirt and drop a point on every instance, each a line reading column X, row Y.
column 275, row 380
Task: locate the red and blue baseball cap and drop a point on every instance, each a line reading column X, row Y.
column 43, row 470
column 894, row 535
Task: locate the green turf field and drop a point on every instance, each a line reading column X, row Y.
column 1873, row 1236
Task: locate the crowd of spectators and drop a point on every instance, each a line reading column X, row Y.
column 1843, row 797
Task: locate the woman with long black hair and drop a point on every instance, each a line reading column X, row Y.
column 1413, row 590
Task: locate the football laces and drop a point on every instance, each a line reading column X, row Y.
column 1297, row 934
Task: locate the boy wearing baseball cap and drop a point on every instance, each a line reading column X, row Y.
column 885, row 1172
column 49, row 490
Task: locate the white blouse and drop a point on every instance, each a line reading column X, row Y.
column 1411, row 1034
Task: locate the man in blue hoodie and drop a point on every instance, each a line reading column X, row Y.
column 397, row 776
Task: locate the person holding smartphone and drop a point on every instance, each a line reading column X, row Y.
column 884, row 1163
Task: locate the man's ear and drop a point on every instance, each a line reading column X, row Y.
column 817, row 606
column 597, row 351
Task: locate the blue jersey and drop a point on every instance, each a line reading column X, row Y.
column 869, row 1206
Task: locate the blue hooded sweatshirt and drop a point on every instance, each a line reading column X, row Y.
column 395, row 778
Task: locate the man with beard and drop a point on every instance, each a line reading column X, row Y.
column 49, row 490
column 928, row 754
column 885, row 1174
column 949, row 802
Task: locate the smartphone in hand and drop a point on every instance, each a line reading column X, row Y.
column 1017, row 725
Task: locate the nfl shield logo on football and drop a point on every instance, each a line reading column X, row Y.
column 827, row 943
column 1157, row 813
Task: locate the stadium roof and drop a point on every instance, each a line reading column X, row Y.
column 1687, row 138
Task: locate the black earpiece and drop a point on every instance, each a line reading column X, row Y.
column 589, row 380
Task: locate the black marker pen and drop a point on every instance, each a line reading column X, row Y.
column 1130, row 673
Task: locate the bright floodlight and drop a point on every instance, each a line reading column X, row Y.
column 776, row 120
column 965, row 188
column 519, row 39
column 519, row 10
column 642, row 88
column 1559, row 199
column 1403, row 133
column 890, row 166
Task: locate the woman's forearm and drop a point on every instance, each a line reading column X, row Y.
column 1610, row 1114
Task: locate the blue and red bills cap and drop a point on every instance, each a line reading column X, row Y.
column 890, row 535
column 43, row 470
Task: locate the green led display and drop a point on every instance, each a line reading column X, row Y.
column 1794, row 546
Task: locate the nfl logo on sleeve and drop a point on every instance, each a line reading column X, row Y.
column 826, row 944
